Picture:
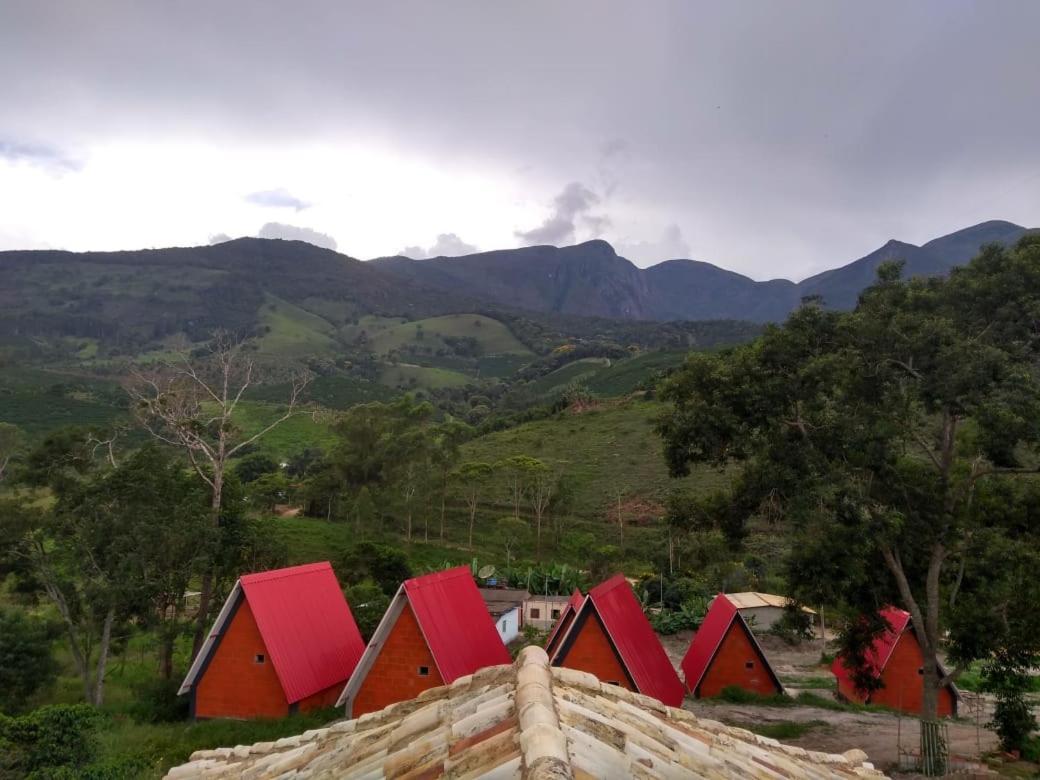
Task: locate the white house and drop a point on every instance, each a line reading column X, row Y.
column 506, row 607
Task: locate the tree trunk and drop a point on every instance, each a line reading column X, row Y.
column 206, row 586
column 166, row 639
column 472, row 517
column 444, row 496
column 102, row 664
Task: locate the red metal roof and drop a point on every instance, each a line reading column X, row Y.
column 877, row 655
column 455, row 622
column 634, row 639
column 706, row 642
column 307, row 627
column 559, row 628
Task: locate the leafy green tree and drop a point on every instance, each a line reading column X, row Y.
column 447, row 438
column 368, row 603
column 56, row 737
column 473, row 477
column 386, row 566
column 874, row 434
column 26, row 659
column 268, row 490
column 255, row 465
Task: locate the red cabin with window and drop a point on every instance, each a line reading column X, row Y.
column 895, row 658
column 284, row 641
column 607, row 634
column 725, row 653
column 436, row 629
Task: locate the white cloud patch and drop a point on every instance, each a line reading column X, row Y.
column 279, row 198
column 296, row 233
column 670, row 246
column 218, row 238
column 446, row 245
column 571, row 208
column 49, row 158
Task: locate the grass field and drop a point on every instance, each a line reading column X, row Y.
column 406, row 375
column 494, row 337
column 294, row 332
column 578, row 371
column 294, row 435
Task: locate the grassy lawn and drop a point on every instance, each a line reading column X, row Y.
column 405, row 375
column 493, row 337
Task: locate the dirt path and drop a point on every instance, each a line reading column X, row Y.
column 877, row 734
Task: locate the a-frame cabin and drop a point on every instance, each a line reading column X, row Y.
column 724, row 653
column 563, row 622
column 895, row 658
column 284, row 641
column 436, row 629
column 611, row 638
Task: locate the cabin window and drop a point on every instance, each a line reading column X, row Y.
column 535, row 613
column 424, row 671
column 503, row 626
column 920, row 670
column 258, row 658
column 555, row 614
column 749, row 664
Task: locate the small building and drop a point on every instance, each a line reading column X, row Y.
column 762, row 610
column 895, row 658
column 284, row 641
column 506, row 607
column 436, row 629
column 611, row 638
column 725, row 653
column 543, row 611
column 526, row 721
column 559, row 629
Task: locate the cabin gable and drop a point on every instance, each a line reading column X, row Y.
column 738, row 661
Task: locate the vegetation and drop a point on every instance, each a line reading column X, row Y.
column 898, row 438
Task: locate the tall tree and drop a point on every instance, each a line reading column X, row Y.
column 473, row 476
column 875, row 433
column 447, row 437
column 190, row 404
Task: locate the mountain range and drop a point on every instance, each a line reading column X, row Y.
column 591, row 279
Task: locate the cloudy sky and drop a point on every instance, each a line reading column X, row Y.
column 772, row 138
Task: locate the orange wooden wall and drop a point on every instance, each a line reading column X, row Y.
column 394, row 675
column 729, row 667
column 904, row 685
column 234, row 685
column 592, row 652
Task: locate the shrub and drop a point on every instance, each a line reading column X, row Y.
column 51, row 737
column 156, row 701
column 26, row 662
column 793, row 626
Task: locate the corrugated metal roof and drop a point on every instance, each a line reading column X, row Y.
column 753, row 599
column 455, row 622
column 635, row 640
column 310, row 633
column 706, row 642
column 559, row 629
column 877, row 655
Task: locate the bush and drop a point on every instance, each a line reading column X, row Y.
column 793, row 626
column 672, row 621
column 51, row 737
column 156, row 701
column 367, row 603
column 26, row 663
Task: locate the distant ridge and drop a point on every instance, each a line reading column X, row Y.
column 591, row 279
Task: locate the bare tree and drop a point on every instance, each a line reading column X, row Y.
column 11, row 441
column 190, row 404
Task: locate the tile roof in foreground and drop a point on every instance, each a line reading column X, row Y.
column 527, row 720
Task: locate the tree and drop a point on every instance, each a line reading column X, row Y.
column 876, row 435
column 190, row 404
column 26, row 661
column 447, row 437
column 473, row 476
column 513, row 532
column 542, row 485
column 12, row 439
column 514, row 470
column 255, row 465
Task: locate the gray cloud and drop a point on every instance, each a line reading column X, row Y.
column 280, row 198
column 570, row 208
column 296, row 233
column 219, row 238
column 39, row 155
column 446, row 245
column 781, row 138
column 670, row 245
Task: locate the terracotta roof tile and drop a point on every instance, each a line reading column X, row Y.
column 528, row 721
